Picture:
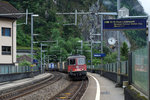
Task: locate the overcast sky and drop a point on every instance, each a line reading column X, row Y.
column 146, row 5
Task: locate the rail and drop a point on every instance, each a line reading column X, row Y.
column 73, row 92
column 77, row 92
column 25, row 90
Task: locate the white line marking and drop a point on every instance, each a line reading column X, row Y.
column 98, row 88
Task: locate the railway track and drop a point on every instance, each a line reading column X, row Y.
column 11, row 95
column 73, row 92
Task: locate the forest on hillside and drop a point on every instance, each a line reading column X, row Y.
column 50, row 26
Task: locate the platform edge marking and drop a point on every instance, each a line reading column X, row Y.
column 98, row 88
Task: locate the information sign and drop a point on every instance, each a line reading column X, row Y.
column 100, row 55
column 123, row 24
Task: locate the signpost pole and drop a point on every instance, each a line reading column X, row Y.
column 149, row 58
column 44, row 62
column 118, row 39
column 41, row 57
column 48, row 60
column 81, row 46
column 118, row 5
column 118, row 65
column 91, row 52
column 102, row 38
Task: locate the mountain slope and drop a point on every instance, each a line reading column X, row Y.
column 50, row 27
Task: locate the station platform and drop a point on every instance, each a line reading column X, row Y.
column 14, row 84
column 101, row 88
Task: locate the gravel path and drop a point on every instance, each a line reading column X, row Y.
column 49, row 91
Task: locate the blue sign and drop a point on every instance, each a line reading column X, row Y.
column 35, row 61
column 100, row 55
column 116, row 24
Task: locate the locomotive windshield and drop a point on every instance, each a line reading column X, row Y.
column 81, row 61
column 72, row 61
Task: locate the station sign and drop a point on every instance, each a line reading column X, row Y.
column 123, row 24
column 35, row 61
column 89, row 61
column 99, row 55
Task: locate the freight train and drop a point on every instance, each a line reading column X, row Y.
column 75, row 66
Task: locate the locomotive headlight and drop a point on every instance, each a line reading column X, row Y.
column 77, row 67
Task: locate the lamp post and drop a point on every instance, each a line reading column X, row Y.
column 33, row 15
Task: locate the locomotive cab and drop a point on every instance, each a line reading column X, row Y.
column 76, row 66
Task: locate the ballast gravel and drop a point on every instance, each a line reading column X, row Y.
column 48, row 92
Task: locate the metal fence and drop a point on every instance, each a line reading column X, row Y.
column 140, row 69
column 112, row 67
column 8, row 69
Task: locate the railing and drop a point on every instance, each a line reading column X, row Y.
column 112, row 67
column 8, row 69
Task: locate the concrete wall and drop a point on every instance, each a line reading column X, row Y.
column 131, row 94
column 8, row 41
column 17, row 76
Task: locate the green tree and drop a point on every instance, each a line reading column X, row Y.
column 124, row 51
column 110, row 58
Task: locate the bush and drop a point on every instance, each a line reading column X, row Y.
column 24, row 63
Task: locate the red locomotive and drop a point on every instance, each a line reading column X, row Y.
column 76, row 66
